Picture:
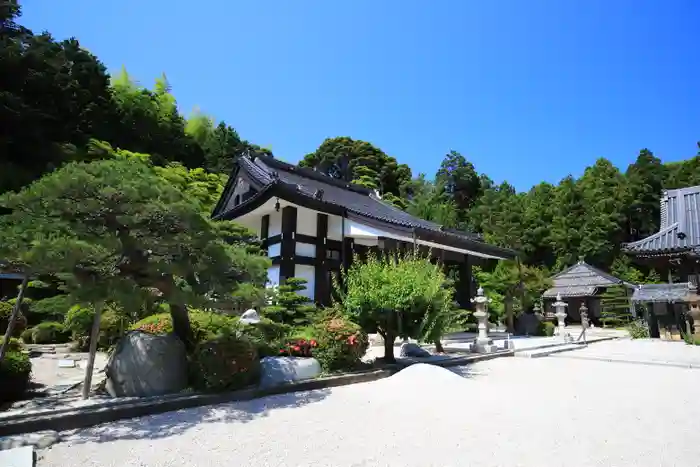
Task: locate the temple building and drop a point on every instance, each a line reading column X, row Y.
column 675, row 251
column 311, row 225
column 582, row 284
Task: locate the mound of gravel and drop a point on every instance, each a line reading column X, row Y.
column 424, row 375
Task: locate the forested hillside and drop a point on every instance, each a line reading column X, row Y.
column 59, row 104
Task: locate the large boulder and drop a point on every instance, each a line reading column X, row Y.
column 280, row 370
column 409, row 349
column 145, row 365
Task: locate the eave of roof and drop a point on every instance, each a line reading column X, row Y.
column 274, row 186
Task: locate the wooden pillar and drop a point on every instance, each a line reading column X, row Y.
column 464, row 283
column 288, row 244
column 348, row 248
column 322, row 287
column 264, row 231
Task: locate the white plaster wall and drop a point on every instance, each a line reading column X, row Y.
column 306, row 249
column 273, row 276
column 274, row 250
column 275, row 223
column 304, row 271
column 335, row 228
column 306, row 221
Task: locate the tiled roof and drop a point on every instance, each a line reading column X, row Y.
column 680, row 225
column 570, row 291
column 355, row 200
column 662, row 292
column 579, row 280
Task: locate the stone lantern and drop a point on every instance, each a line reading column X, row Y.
column 560, row 314
column 483, row 343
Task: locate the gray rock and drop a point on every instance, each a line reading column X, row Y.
column 17, row 457
column 145, row 365
column 39, row 440
column 280, row 370
column 409, row 349
column 250, row 317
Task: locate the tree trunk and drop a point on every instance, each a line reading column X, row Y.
column 509, row 314
column 181, row 324
column 438, row 346
column 94, row 337
column 13, row 317
column 178, row 312
column 389, row 338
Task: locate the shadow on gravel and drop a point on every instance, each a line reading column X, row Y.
column 177, row 422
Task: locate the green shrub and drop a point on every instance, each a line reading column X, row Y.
column 341, row 344
column 546, row 328
column 638, row 329
column 6, row 308
column 14, row 346
column 227, row 362
column 267, row 336
column 78, row 323
column 15, row 371
column 50, row 332
column 26, row 335
column 205, row 324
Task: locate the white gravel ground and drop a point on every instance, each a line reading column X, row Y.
column 504, row 412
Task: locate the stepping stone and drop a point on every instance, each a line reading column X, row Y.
column 66, row 363
column 17, row 457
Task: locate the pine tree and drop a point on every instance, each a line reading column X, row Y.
column 289, row 307
column 615, row 303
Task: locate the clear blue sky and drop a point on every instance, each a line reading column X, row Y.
column 528, row 90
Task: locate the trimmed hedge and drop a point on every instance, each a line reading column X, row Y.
column 205, row 325
column 6, row 308
column 50, row 332
column 15, row 373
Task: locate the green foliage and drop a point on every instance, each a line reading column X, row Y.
column 638, row 329
column 546, row 328
column 408, row 297
column 289, row 306
column 50, row 332
column 26, row 335
column 227, row 362
column 205, row 324
column 6, row 308
column 15, row 372
column 267, row 335
column 504, row 281
column 14, row 345
column 361, row 163
column 117, row 231
column 340, row 344
column 615, row 303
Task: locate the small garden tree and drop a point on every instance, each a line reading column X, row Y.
column 403, row 297
column 115, row 230
column 289, row 306
column 615, row 304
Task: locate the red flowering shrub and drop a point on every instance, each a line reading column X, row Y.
column 227, row 362
column 298, row 348
column 341, row 344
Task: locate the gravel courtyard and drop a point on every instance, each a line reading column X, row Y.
column 503, row 412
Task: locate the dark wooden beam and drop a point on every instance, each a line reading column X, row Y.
column 288, row 243
column 264, row 231
column 321, row 285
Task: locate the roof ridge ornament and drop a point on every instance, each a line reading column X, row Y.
column 581, row 259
